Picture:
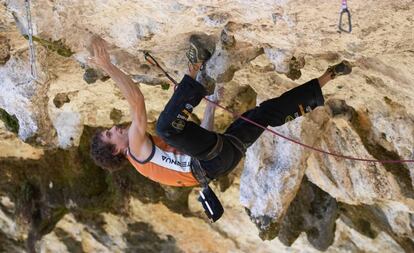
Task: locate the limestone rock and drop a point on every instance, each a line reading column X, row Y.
column 4, row 50
column 261, row 46
column 278, row 167
column 312, row 211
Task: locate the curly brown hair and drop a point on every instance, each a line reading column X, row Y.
column 102, row 154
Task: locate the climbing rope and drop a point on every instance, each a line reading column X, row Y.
column 345, row 11
column 33, row 71
column 155, row 63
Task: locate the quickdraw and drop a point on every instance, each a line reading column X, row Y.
column 154, row 63
column 345, row 11
column 33, row 70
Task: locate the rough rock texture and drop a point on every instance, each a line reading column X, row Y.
column 314, row 212
column 53, row 199
column 4, row 50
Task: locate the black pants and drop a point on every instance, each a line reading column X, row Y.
column 196, row 141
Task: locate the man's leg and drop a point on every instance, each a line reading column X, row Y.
column 290, row 105
column 173, row 127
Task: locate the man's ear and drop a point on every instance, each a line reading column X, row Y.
column 116, row 151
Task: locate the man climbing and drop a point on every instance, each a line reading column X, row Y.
column 151, row 156
column 183, row 148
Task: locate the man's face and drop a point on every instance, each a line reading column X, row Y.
column 117, row 136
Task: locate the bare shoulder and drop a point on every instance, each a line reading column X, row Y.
column 140, row 144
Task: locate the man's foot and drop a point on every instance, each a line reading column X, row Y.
column 340, row 69
column 197, row 53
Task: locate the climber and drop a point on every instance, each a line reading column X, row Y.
column 182, row 145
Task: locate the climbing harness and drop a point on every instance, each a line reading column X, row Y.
column 290, row 139
column 345, row 11
column 33, row 70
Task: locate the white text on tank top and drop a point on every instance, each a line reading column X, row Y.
column 177, row 162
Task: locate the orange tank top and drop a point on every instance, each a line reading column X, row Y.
column 166, row 165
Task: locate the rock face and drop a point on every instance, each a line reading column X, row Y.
column 54, row 199
column 4, row 50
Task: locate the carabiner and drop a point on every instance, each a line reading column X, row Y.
column 344, row 9
column 340, row 26
column 150, row 59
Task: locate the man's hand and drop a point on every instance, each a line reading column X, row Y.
column 100, row 57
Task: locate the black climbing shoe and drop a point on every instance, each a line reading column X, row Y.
column 197, row 53
column 200, row 51
column 340, row 69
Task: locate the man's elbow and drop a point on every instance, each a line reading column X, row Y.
column 137, row 97
column 136, row 101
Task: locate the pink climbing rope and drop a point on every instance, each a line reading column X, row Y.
column 154, row 63
column 305, row 145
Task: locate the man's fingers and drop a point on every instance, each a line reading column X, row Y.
column 95, row 39
column 98, row 45
column 95, row 47
column 102, row 49
column 93, row 43
column 91, row 62
column 95, row 50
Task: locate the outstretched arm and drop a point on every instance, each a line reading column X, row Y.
column 139, row 143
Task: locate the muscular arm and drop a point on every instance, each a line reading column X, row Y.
column 132, row 94
column 139, row 142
